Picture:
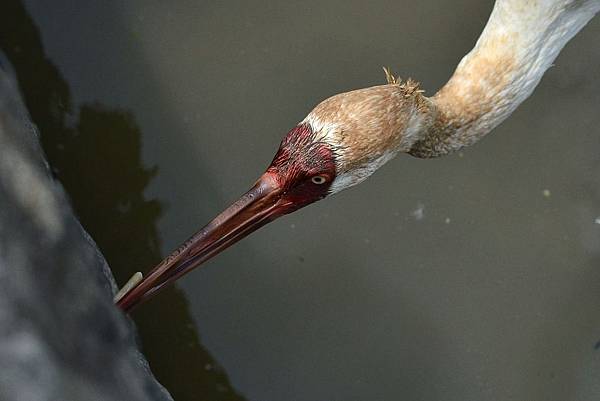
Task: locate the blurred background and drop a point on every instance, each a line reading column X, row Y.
column 473, row 276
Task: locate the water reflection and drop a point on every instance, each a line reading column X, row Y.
column 95, row 152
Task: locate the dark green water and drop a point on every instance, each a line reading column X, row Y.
column 157, row 114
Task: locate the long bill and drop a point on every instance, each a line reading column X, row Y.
column 260, row 205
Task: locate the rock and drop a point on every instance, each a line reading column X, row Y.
column 61, row 338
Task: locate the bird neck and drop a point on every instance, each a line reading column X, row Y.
column 519, row 43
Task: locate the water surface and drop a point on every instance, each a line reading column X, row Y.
column 474, row 276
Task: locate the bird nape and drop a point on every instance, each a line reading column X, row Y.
column 347, row 137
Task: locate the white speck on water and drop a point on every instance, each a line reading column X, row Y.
column 597, row 221
column 419, row 212
column 292, row 226
column 447, row 221
column 546, row 193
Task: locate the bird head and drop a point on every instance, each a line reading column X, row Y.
column 339, row 144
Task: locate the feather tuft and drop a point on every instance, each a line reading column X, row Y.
column 390, row 78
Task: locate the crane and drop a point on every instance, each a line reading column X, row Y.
column 347, row 137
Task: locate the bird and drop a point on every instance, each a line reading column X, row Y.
column 348, row 136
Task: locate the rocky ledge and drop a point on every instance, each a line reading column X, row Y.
column 61, row 338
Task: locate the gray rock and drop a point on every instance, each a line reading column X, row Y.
column 61, row 338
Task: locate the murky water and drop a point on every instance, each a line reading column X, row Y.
column 475, row 276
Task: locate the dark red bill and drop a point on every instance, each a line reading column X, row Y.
column 260, row 205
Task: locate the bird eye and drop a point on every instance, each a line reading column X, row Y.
column 318, row 179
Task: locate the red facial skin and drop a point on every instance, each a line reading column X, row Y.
column 300, row 174
column 298, row 160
